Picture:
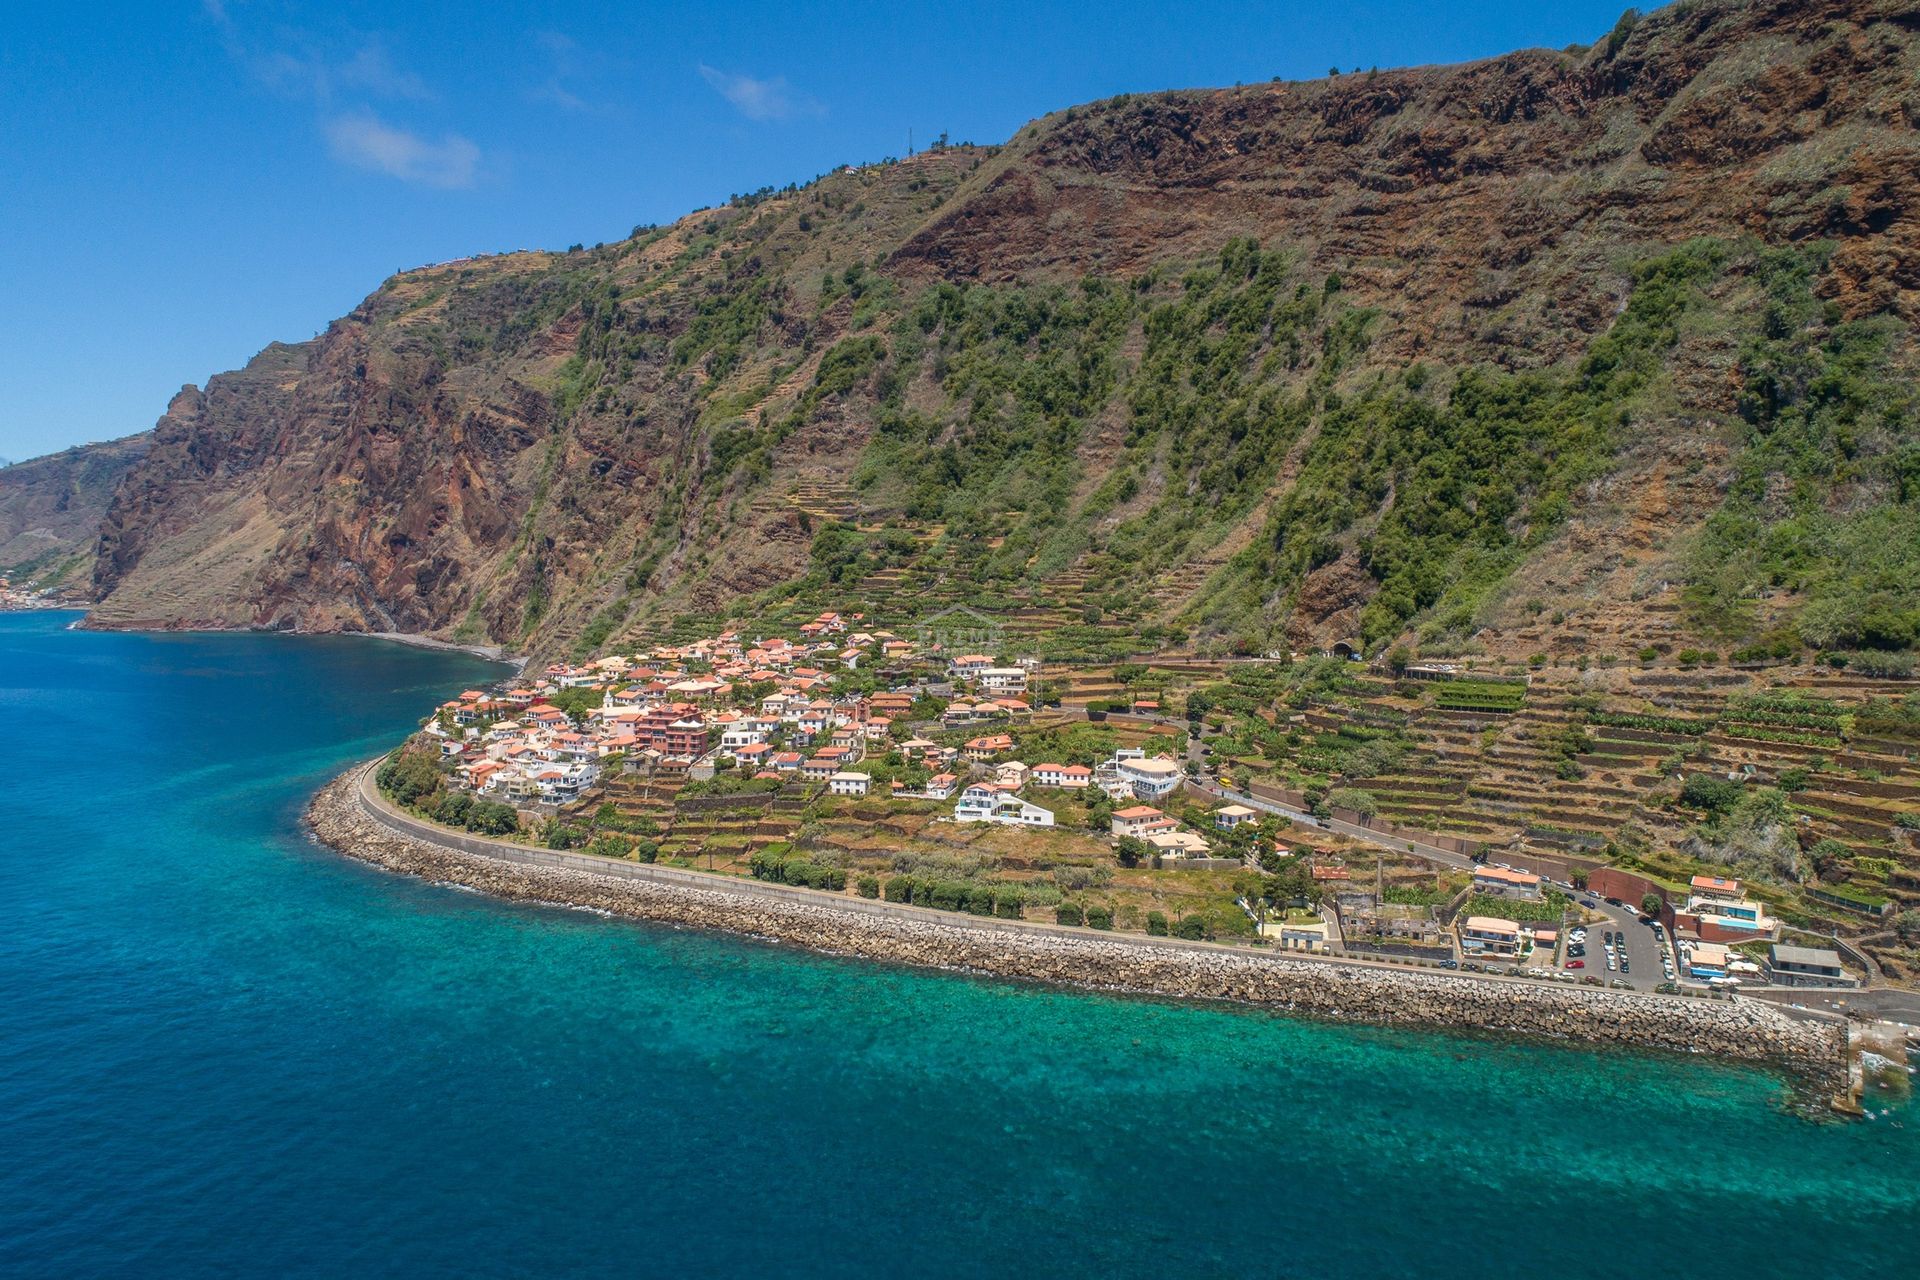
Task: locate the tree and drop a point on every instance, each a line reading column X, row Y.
column 1828, row 856
column 1100, row 813
column 1650, row 904
column 1361, row 802
column 491, row 818
column 410, row 776
column 1193, row 928
column 1714, row 795
column 1132, row 851
column 453, row 808
column 1099, row 916
column 1157, row 924
column 607, row 847
column 1069, row 913
column 1907, row 925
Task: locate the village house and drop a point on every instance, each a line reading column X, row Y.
column 1150, row 777
column 1141, row 820
column 1011, row 773
column 1715, row 888
column 988, row 747
column 1501, row 882
column 985, row 802
column 1177, row 844
column 1719, row 919
column 745, row 732
column 1070, row 777
column 1002, row 679
column 1707, row 961
column 1807, row 967
column 847, row 783
column 1489, row 936
column 1227, row 817
column 968, row 666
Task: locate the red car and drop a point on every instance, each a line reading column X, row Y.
column 1576, row 964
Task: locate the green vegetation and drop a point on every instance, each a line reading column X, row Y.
column 1551, row 906
column 1826, row 493
column 1477, row 479
column 414, row 780
column 782, row 866
column 1479, row 695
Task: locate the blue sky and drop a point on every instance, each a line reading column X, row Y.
column 188, row 181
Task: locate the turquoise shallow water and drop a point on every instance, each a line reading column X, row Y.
column 225, row 1051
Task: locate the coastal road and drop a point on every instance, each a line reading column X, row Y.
column 1432, row 853
column 1888, row 1003
column 375, row 806
column 1642, row 949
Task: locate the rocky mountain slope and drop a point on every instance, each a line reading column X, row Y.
column 51, row 508
column 1561, row 351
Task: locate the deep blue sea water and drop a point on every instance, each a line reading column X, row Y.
column 224, row 1051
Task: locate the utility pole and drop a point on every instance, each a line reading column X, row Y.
column 909, row 140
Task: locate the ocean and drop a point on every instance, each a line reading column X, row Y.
column 226, row 1051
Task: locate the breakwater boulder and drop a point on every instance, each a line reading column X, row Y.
column 346, row 817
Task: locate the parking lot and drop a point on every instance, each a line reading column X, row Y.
column 1635, row 944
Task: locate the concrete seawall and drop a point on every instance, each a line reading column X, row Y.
column 348, row 816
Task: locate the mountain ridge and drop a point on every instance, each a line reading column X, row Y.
column 1205, row 368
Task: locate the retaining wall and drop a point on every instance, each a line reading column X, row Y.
column 348, row 817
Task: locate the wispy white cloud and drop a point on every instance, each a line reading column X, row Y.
column 574, row 76
column 756, row 99
column 338, row 83
column 372, row 70
column 365, row 141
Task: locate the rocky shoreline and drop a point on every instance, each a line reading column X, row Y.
column 1815, row 1053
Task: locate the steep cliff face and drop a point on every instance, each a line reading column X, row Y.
column 51, row 508
column 1212, row 364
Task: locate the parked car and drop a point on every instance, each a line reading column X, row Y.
column 1449, row 964
column 1576, row 964
column 1589, row 904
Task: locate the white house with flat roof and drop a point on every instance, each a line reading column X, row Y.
column 1150, row 777
column 1003, row 679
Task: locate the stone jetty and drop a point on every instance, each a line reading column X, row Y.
column 348, row 817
